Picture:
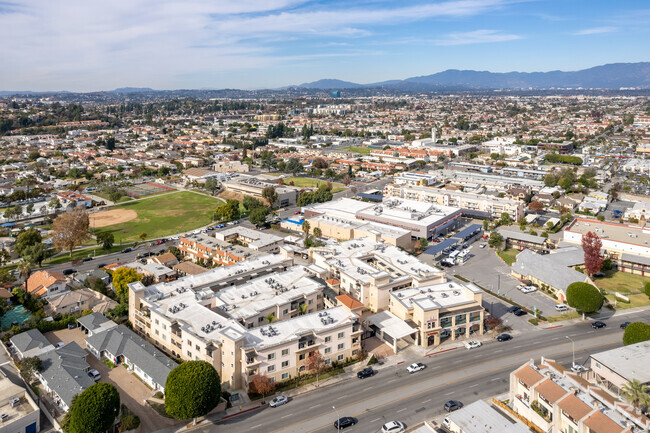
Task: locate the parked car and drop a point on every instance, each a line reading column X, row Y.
column 278, row 401
column 413, row 368
column 86, row 259
column 520, row 312
column 158, row 242
column 101, row 265
column 528, row 289
column 481, row 246
column 60, row 344
column 366, row 372
column 127, row 250
column 72, row 325
column 513, row 309
column 453, row 405
column 68, row 271
column 561, row 307
column 504, row 337
column 346, row 421
column 393, row 427
column 598, row 324
column 472, row 344
column 624, row 325
column 94, row 374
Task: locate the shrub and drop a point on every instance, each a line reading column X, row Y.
column 373, row 360
column 584, row 297
column 636, row 332
column 129, row 422
column 646, row 289
column 607, row 265
column 192, row 390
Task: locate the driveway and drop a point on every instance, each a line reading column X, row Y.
column 488, row 270
column 132, row 391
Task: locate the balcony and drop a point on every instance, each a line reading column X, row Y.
column 523, row 400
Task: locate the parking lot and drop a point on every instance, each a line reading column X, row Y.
column 488, row 270
column 132, row 391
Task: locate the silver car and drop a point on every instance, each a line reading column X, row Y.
column 278, row 401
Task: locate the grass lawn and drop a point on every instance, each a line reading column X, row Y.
column 509, row 255
column 81, row 254
column 358, row 149
column 308, row 182
column 564, row 316
column 637, row 300
column 623, row 282
column 164, row 215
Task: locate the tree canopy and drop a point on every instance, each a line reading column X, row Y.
column 591, row 246
column 584, row 297
column 27, row 239
column 636, row 332
column 94, row 410
column 192, row 390
column 258, row 215
column 70, row 229
column 121, row 278
column 228, row 211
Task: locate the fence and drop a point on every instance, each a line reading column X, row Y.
column 528, row 424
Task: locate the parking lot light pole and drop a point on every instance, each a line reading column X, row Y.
column 338, row 419
column 573, row 351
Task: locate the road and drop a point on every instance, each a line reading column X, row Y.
column 393, row 394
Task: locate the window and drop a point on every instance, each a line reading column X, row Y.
column 157, row 323
column 340, row 357
column 189, row 342
column 328, row 361
column 341, row 346
column 285, row 352
column 328, row 339
column 164, row 337
column 341, row 334
column 189, row 353
column 271, row 356
column 285, row 364
column 328, row 350
column 164, row 326
column 260, row 319
column 285, row 311
column 310, row 301
column 156, row 332
column 301, row 356
column 285, row 376
column 271, row 368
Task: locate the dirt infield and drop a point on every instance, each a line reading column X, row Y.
column 110, row 217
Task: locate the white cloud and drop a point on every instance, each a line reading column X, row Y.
column 475, row 37
column 595, row 31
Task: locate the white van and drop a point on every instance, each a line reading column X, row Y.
column 561, row 307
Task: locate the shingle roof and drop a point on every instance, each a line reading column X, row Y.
column 575, row 407
column 121, row 341
column 66, row 371
column 92, row 321
column 548, row 268
column 29, row 340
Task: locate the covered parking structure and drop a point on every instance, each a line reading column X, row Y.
column 390, row 328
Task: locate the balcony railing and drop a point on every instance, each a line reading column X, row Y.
column 523, row 400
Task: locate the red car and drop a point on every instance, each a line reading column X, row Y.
column 296, row 213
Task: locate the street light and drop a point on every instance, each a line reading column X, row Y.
column 338, row 419
column 573, row 350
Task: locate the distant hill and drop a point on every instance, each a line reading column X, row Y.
column 611, row 76
column 131, row 90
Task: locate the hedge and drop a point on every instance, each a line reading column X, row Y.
column 636, row 332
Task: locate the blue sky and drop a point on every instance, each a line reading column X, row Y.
column 83, row 45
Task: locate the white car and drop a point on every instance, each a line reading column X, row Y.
column 472, row 344
column 528, row 289
column 414, row 368
column 482, row 246
column 60, row 344
column 278, row 401
column 393, row 427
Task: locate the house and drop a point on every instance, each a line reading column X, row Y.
column 189, row 268
column 79, row 300
column 94, row 323
column 30, row 343
column 73, row 199
column 520, row 241
column 46, row 284
column 120, row 345
column 167, row 259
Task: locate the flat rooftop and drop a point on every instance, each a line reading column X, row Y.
column 293, row 329
column 407, row 213
column 629, row 234
column 260, row 294
column 629, row 362
column 254, row 238
column 9, row 391
column 436, row 296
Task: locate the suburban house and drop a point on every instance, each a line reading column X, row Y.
column 94, row 323
column 46, row 284
column 79, row 300
column 30, row 343
column 167, row 259
column 120, row 345
column 73, row 199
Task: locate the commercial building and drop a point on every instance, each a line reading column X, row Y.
column 521, row 241
column 563, row 148
column 555, row 400
column 230, row 167
column 636, row 165
column 369, row 271
column 614, row 368
column 628, row 246
column 640, row 211
column 252, row 239
column 18, row 411
column 469, row 203
column 251, row 186
column 440, row 311
column 480, row 417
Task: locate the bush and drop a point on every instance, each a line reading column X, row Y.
column 636, row 332
column 159, row 395
column 646, row 289
column 372, row 360
column 192, row 390
column 607, row 265
column 584, row 297
column 129, row 422
column 534, row 322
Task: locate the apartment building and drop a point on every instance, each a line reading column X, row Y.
column 251, row 186
column 555, row 400
column 478, row 204
column 440, row 311
column 369, row 271
column 252, row 239
column 415, row 179
column 200, row 247
column 230, row 167
column 564, row 148
column 613, row 369
column 19, row 413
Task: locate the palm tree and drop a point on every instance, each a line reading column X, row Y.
column 25, row 270
column 302, row 309
column 636, row 393
column 270, row 318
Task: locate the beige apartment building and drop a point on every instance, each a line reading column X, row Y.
column 556, row 400
column 369, row 271
column 441, row 311
column 494, row 206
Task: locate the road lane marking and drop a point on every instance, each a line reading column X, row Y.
column 315, row 406
column 556, row 338
column 449, row 393
column 495, row 379
column 474, row 386
column 401, row 410
column 376, row 419
column 286, row 416
column 343, row 396
column 445, row 384
column 426, row 401
column 255, row 427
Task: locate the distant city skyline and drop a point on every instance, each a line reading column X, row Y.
column 247, row 44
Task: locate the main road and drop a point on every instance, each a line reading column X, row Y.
column 393, row 394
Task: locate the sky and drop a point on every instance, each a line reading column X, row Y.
column 90, row 45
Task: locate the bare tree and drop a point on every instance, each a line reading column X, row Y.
column 70, row 229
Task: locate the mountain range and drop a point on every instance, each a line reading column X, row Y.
column 610, row 76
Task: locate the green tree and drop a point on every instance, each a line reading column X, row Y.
column 317, row 232
column 121, row 279
column 584, row 297
column 27, row 239
column 28, row 368
column 36, row 253
column 106, row 240
column 495, row 240
column 305, row 227
column 636, row 393
column 505, row 219
column 646, row 289
column 228, row 211
column 636, row 332
column 251, row 203
column 211, row 185
column 143, row 236
column 192, row 390
column 94, row 410
column 294, row 166
column 270, row 195
column 257, row 216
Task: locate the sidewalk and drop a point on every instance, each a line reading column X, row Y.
column 608, row 314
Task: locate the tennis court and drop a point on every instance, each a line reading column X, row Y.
column 144, row 189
